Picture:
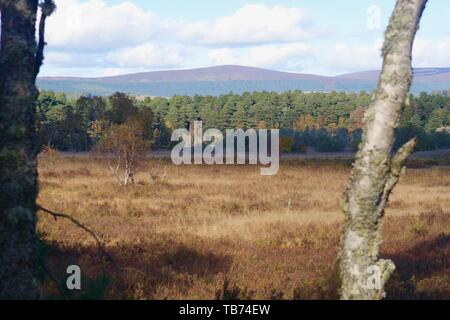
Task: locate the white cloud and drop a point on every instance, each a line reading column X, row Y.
column 93, row 25
column 58, row 58
column 95, row 37
column 431, row 53
column 348, row 58
column 147, row 56
column 284, row 56
column 252, row 24
column 65, row 59
column 124, row 36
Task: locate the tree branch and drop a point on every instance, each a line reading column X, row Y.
column 57, row 215
column 47, row 8
column 397, row 166
column 401, row 156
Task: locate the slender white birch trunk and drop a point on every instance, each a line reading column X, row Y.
column 376, row 172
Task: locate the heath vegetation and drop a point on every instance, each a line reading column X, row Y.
column 192, row 232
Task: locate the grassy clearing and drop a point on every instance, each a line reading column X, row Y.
column 208, row 232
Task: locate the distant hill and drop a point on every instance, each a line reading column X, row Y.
column 423, row 75
column 238, row 79
column 218, row 73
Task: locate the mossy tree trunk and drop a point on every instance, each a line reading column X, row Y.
column 18, row 149
column 376, row 172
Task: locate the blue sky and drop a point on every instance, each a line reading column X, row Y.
column 108, row 37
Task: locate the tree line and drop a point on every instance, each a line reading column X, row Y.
column 325, row 121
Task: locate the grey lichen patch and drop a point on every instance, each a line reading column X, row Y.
column 369, row 115
column 387, row 268
column 354, row 240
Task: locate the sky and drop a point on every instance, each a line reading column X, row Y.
column 91, row 38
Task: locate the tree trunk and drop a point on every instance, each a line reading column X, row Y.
column 375, row 171
column 18, row 150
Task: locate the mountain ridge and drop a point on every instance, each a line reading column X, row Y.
column 215, row 73
column 218, row 80
column 239, row 73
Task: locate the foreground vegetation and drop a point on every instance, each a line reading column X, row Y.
column 207, row 232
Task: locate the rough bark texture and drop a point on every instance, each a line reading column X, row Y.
column 18, row 149
column 376, row 172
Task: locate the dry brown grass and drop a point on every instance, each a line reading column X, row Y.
column 203, row 226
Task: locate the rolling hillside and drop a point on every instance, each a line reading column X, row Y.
column 224, row 79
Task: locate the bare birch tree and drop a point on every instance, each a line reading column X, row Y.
column 124, row 148
column 376, row 172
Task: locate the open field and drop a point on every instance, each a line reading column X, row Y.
column 207, row 232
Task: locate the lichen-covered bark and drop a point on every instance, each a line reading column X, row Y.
column 375, row 171
column 18, row 149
